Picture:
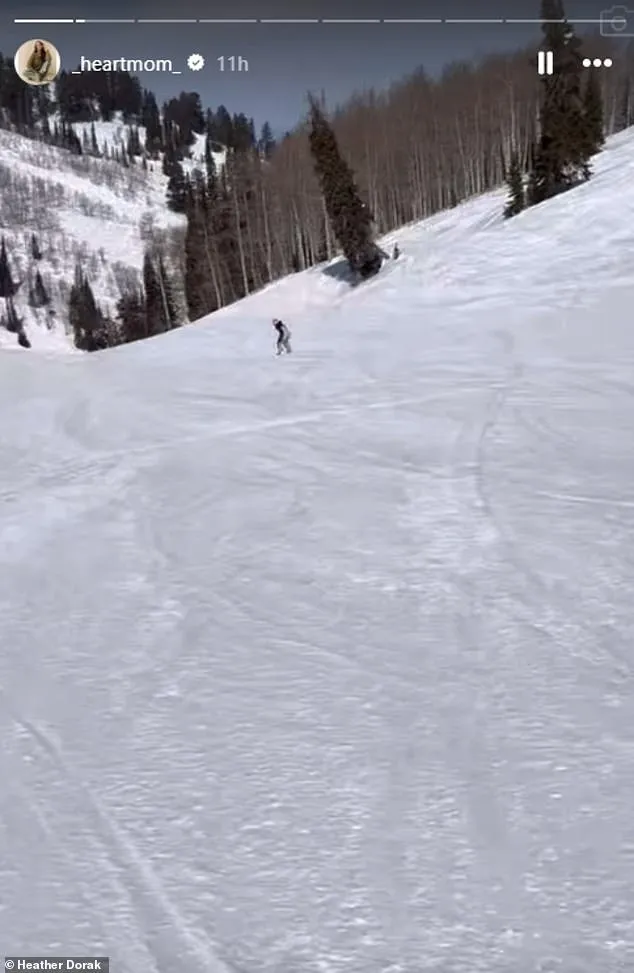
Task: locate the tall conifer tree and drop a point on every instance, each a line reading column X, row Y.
column 349, row 216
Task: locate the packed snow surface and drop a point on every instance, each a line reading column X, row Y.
column 325, row 663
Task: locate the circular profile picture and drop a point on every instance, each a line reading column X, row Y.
column 37, row 62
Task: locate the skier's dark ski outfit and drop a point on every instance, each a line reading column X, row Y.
column 283, row 337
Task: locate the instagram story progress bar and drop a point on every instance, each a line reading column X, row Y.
column 610, row 20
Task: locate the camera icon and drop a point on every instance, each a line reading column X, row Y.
column 617, row 22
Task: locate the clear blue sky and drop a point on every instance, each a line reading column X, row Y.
column 285, row 60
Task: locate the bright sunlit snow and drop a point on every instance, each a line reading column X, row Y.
column 325, row 663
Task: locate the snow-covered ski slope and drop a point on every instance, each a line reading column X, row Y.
column 325, row 663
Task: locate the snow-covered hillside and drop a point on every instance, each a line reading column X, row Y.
column 115, row 134
column 325, row 663
column 84, row 210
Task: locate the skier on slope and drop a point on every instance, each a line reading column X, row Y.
column 283, row 337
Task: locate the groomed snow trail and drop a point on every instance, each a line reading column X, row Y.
column 326, row 663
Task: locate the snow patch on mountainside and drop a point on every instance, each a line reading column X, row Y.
column 114, row 135
column 82, row 209
column 85, row 210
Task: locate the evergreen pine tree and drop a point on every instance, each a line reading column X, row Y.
column 195, row 271
column 168, row 160
column 8, row 287
column 154, row 312
column 131, row 315
column 201, row 291
column 151, row 120
column 94, row 145
column 38, row 295
column 593, row 113
column 134, row 146
column 515, row 183
column 14, row 324
column 75, row 314
column 91, row 329
column 350, row 218
column 266, row 144
column 10, row 320
column 176, row 188
column 221, row 129
column 36, row 253
column 561, row 154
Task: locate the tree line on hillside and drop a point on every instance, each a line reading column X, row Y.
column 52, row 114
column 382, row 160
column 38, row 296
column 150, row 309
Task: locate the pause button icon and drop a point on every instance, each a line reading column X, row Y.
column 545, row 62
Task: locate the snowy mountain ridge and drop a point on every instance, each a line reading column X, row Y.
column 82, row 209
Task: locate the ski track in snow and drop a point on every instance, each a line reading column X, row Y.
column 113, row 864
column 325, row 663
